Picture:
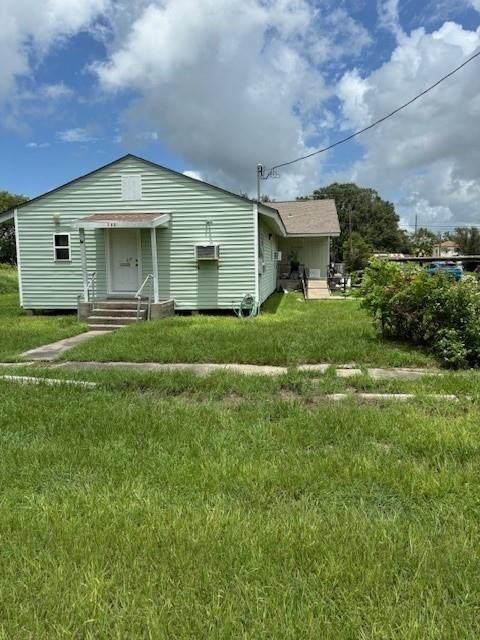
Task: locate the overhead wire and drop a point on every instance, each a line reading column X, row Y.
column 380, row 120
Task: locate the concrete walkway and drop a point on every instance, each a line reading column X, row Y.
column 49, row 381
column 402, row 397
column 342, row 371
column 50, row 352
column 202, row 369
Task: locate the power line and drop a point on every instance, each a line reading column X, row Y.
column 444, row 226
column 380, row 120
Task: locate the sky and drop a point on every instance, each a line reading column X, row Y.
column 213, row 87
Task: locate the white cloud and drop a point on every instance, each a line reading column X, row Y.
column 37, row 145
column 389, row 17
column 31, row 29
column 475, row 4
column 427, row 156
column 56, row 91
column 196, row 175
column 76, row 135
column 229, row 83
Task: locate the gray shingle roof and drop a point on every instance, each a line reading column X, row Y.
column 308, row 217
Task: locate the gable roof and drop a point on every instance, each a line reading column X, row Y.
column 155, row 165
column 448, row 244
column 299, row 217
column 309, row 217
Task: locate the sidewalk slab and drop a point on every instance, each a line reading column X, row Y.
column 401, row 373
column 317, row 368
column 48, row 381
column 15, row 364
column 49, row 352
column 348, row 373
column 376, row 397
column 197, row 368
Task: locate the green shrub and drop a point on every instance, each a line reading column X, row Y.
column 410, row 304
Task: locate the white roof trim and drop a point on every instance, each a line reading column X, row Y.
column 8, row 215
column 274, row 216
column 162, row 221
column 313, row 235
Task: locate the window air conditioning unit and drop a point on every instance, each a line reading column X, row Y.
column 206, row 251
column 277, row 256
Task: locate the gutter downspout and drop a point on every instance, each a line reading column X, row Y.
column 255, row 249
column 19, row 266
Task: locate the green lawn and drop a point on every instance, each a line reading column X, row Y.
column 289, row 331
column 20, row 332
column 8, row 279
column 169, row 506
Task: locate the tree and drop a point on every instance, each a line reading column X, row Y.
column 363, row 211
column 468, row 240
column 356, row 252
column 423, row 241
column 7, row 229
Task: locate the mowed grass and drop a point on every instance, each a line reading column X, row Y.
column 8, row 279
column 288, row 332
column 129, row 512
column 20, row 332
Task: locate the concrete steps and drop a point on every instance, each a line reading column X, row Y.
column 108, row 315
column 318, row 290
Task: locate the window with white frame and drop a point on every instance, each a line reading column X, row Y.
column 61, row 246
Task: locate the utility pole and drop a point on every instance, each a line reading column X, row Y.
column 416, row 224
column 259, row 177
column 350, row 228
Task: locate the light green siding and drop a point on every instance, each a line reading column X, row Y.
column 49, row 284
column 313, row 253
column 267, row 265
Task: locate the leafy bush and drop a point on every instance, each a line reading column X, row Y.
column 410, row 304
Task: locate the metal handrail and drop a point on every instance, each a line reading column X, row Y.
column 91, row 283
column 305, row 283
column 138, row 296
column 90, row 287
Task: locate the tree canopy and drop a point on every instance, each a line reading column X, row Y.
column 423, row 241
column 356, row 252
column 468, row 240
column 363, row 211
column 7, row 229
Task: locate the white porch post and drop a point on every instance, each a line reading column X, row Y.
column 153, row 239
column 83, row 253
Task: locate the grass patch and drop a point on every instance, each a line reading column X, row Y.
column 8, row 279
column 130, row 515
column 20, row 332
column 289, row 331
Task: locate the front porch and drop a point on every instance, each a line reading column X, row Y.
column 109, row 314
column 124, row 287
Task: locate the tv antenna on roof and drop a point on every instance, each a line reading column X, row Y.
column 262, row 174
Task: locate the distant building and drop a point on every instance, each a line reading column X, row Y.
column 446, row 249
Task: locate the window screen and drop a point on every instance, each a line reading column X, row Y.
column 61, row 243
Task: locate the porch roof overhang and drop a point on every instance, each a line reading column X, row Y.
column 8, row 215
column 150, row 220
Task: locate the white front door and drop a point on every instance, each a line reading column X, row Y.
column 124, row 262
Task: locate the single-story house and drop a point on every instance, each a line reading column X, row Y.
column 133, row 220
column 446, row 249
